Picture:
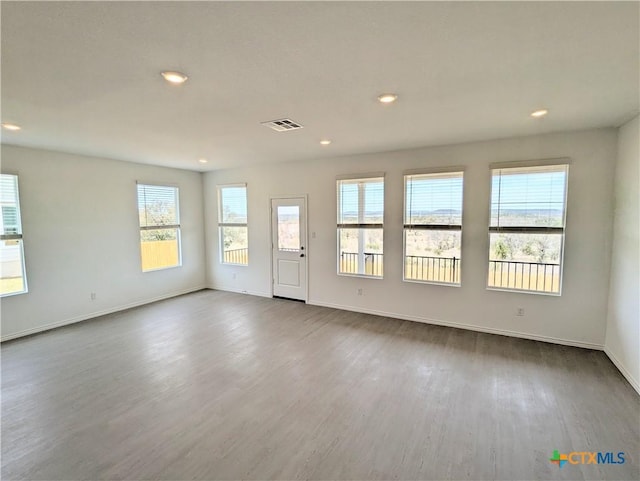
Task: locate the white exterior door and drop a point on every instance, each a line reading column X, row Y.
column 289, row 247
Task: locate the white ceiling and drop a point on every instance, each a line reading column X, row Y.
column 84, row 77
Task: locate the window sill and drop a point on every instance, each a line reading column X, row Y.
column 433, row 283
column 162, row 268
column 524, row 291
column 11, row 294
column 363, row 276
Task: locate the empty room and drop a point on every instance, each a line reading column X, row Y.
column 320, row 240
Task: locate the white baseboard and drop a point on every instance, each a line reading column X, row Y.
column 239, row 291
column 459, row 325
column 425, row 320
column 634, row 383
column 503, row 332
column 91, row 315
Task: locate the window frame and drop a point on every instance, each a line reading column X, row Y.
column 17, row 236
column 222, row 225
column 360, row 225
column 176, row 227
column 562, row 231
column 433, row 227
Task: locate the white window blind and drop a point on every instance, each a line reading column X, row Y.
column 434, row 200
column 360, row 226
column 233, row 205
column 531, row 198
column 13, row 279
column 233, row 224
column 159, row 218
column 433, row 227
column 526, row 230
column 158, row 205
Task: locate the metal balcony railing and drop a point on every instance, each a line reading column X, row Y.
column 528, row 276
column 433, row 269
column 372, row 263
column 506, row 274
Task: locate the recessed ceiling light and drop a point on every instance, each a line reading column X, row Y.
column 203, row 161
column 387, row 98
column 539, row 113
column 174, row 77
column 10, row 126
column 325, row 142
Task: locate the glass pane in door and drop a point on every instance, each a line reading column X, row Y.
column 289, row 228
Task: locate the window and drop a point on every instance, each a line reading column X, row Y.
column 159, row 216
column 526, row 232
column 232, row 224
column 288, row 228
column 433, row 227
column 360, row 226
column 13, row 279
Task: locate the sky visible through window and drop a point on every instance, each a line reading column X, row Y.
column 373, row 201
column 515, row 192
column 520, row 191
column 234, row 204
column 434, row 198
column 533, row 197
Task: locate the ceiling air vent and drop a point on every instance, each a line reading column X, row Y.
column 282, row 125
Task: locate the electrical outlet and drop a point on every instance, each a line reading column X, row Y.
column 360, row 291
column 93, row 296
column 233, row 276
column 520, row 311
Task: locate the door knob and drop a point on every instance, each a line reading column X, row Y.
column 301, row 255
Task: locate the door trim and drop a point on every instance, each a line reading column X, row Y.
column 306, row 259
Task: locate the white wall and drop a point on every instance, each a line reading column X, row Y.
column 577, row 317
column 622, row 343
column 80, row 227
